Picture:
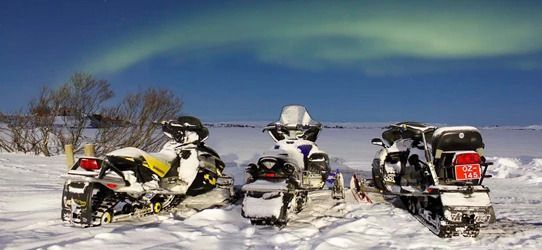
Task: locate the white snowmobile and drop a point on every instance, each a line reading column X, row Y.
column 438, row 175
column 130, row 182
column 281, row 179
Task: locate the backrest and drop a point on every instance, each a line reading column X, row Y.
column 456, row 139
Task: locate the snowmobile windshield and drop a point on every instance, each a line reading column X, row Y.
column 295, row 122
column 293, row 115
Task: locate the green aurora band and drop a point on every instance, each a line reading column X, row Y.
column 367, row 35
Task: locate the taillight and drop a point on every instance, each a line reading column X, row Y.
column 270, row 174
column 89, row 164
column 467, row 158
column 111, row 185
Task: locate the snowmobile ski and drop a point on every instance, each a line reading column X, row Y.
column 359, row 189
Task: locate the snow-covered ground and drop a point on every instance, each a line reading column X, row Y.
column 30, row 192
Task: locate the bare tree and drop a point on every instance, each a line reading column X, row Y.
column 81, row 96
column 16, row 133
column 138, row 112
column 5, row 144
column 41, row 119
column 56, row 117
column 5, row 134
column 59, row 116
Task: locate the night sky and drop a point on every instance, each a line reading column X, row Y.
column 455, row 62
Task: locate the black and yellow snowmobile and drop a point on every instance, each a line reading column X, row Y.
column 130, row 182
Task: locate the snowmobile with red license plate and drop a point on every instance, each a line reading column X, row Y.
column 438, row 175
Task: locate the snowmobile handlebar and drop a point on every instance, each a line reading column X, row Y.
column 175, row 124
column 411, row 127
column 279, row 126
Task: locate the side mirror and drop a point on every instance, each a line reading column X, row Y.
column 378, row 142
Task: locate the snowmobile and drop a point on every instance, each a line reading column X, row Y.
column 438, row 175
column 280, row 181
column 130, row 182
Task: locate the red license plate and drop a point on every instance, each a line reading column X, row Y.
column 468, row 172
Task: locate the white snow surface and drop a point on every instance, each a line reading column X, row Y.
column 31, row 187
column 263, row 207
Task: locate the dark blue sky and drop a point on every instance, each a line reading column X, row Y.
column 458, row 62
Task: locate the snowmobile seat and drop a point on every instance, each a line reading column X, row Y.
column 455, row 139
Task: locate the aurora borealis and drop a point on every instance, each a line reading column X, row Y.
column 365, row 48
column 353, row 34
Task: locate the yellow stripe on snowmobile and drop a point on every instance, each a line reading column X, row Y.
column 156, row 165
column 210, row 179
